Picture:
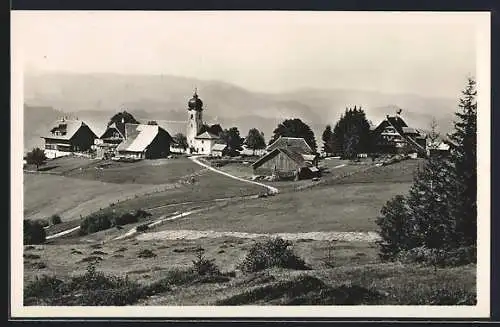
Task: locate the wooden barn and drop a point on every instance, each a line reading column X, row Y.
column 287, row 164
column 68, row 136
column 296, row 144
column 144, row 142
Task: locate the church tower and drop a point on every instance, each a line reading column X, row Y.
column 195, row 121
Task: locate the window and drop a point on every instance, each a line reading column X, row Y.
column 191, row 116
column 201, row 141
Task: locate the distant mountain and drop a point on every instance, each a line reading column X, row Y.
column 96, row 97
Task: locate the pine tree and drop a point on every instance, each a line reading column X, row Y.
column 393, row 224
column 463, row 153
column 327, row 138
column 429, row 201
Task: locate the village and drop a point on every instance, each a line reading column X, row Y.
column 287, row 157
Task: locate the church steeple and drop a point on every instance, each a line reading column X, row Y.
column 195, row 120
column 195, row 102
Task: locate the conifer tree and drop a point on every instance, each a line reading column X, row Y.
column 463, row 153
column 327, row 138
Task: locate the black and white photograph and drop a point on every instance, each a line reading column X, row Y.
column 250, row 163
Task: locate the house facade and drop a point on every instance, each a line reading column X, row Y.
column 67, row 137
column 394, row 136
column 110, row 139
column 144, row 142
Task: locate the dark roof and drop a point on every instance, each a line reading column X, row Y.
column 397, row 122
column 66, row 129
column 120, row 127
column 293, row 155
column 297, row 144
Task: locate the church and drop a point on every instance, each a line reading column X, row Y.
column 201, row 138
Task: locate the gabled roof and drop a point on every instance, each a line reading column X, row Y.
column 120, row 127
column 207, row 136
column 295, row 156
column 219, row 147
column 139, row 137
column 66, row 128
column 297, row 144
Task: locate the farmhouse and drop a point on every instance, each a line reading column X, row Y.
column 110, row 139
column 144, row 142
column 68, row 136
column 296, row 144
column 393, row 136
column 286, row 163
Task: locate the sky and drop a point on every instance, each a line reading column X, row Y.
column 421, row 53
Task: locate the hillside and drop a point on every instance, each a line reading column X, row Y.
column 95, row 97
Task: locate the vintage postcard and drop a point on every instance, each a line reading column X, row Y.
column 250, row 164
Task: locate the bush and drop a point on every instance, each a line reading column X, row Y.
column 438, row 257
column 90, row 289
column 55, row 220
column 33, row 231
column 94, row 223
column 146, row 254
column 271, row 253
column 203, row 266
column 104, row 220
column 142, row 228
column 43, row 287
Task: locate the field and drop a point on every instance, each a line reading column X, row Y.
column 331, row 224
column 76, row 192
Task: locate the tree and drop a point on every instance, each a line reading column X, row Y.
column 351, row 134
column 181, row 141
column 55, row 219
column 36, row 157
column 393, row 227
column 33, row 232
column 123, row 116
column 295, row 128
column 463, row 155
column 255, row 140
column 434, row 133
column 327, row 137
column 233, row 140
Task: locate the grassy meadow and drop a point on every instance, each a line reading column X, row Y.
column 160, row 270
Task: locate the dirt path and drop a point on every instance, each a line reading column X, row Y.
column 271, row 189
column 317, row 236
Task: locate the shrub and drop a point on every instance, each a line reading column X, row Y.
column 43, row 222
column 124, row 219
column 94, row 223
column 146, row 253
column 55, row 220
column 438, row 257
column 203, row 266
column 34, row 233
column 271, row 253
column 42, row 287
column 142, row 228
